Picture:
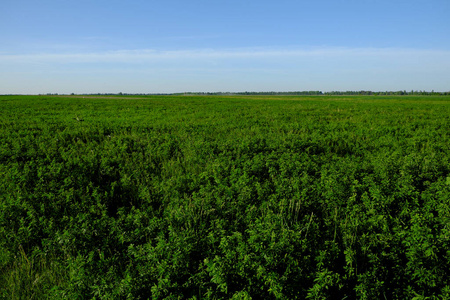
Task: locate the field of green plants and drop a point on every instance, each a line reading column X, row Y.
column 219, row 197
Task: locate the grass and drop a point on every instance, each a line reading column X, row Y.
column 188, row 196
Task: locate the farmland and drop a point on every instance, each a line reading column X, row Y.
column 215, row 197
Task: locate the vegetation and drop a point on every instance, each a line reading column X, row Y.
column 218, row 197
column 292, row 93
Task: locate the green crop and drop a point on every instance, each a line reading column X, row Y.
column 219, row 197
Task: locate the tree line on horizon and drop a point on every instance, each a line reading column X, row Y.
column 291, row 93
column 341, row 93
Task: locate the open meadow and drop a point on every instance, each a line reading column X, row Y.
column 219, row 197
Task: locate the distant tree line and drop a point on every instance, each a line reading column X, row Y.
column 293, row 93
column 404, row 92
column 343, row 93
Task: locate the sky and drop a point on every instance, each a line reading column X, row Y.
column 97, row 46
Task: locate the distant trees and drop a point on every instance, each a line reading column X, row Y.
column 292, row 93
column 404, row 92
column 318, row 93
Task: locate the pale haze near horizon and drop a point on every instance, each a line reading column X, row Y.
column 212, row 46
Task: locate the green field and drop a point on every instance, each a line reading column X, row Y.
column 219, row 197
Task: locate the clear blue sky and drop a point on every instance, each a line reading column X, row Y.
column 91, row 46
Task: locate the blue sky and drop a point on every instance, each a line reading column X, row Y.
column 63, row 46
